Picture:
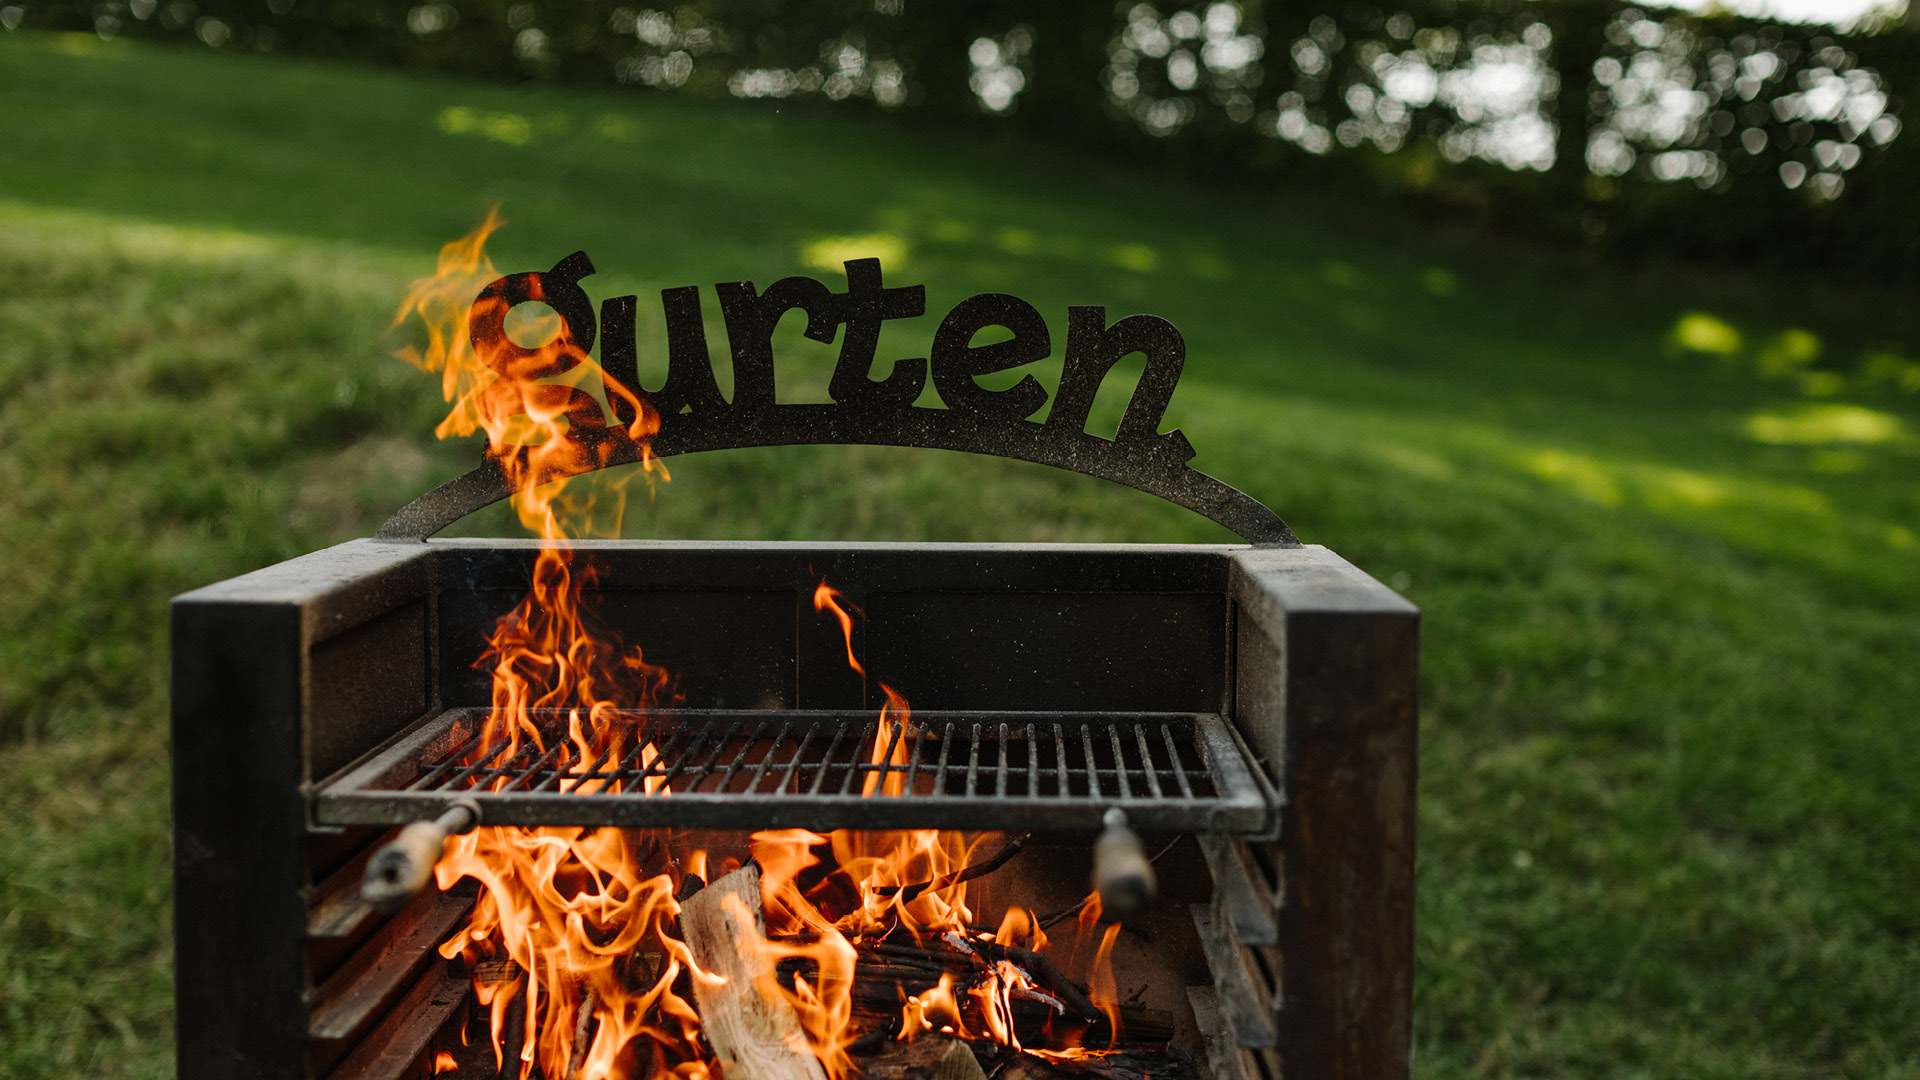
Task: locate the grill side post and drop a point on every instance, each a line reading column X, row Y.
column 241, row 660
column 1326, row 689
column 238, row 914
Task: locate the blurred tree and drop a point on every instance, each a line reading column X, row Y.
column 1633, row 130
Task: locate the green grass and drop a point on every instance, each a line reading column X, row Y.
column 1669, row 819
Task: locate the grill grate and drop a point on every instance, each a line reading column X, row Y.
column 818, row 770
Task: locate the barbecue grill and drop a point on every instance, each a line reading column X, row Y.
column 1257, row 699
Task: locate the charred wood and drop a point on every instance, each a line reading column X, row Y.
column 875, row 1040
column 582, row 1030
column 930, row 1057
column 1046, row 972
column 993, row 862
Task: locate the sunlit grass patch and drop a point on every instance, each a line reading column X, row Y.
column 1823, row 425
column 513, row 129
column 1702, row 331
column 832, row 253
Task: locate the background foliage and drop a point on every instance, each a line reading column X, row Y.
column 1596, row 123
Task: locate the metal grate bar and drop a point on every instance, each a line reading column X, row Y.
column 733, row 767
column 761, row 769
column 1093, row 774
column 886, row 759
column 1000, row 773
column 1066, row 768
column 913, row 760
column 701, row 770
column 1060, row 761
column 1146, row 760
column 1173, row 755
column 973, row 762
column 1120, row 763
column 1033, row 762
column 946, row 750
column 466, row 774
column 679, row 761
column 820, row 775
column 853, row 763
column 520, row 778
column 799, row 755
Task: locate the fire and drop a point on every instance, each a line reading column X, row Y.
column 575, row 943
column 933, row 1010
column 542, row 422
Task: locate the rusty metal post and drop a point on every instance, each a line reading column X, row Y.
column 1326, row 683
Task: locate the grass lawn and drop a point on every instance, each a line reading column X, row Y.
column 1663, row 525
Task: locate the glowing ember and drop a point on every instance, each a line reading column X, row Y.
column 575, row 940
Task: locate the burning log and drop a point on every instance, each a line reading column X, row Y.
column 583, row 1027
column 1137, row 1025
column 513, row 1038
column 1047, row 973
column 1167, row 1064
column 754, row 1036
column 876, row 1040
column 926, row 1058
column 932, row 959
column 985, row 866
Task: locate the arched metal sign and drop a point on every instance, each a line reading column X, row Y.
column 694, row 416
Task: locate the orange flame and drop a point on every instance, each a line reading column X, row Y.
column 542, row 422
column 586, row 972
column 934, row 1010
column 827, row 598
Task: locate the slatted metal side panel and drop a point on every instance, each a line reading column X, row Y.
column 822, row 770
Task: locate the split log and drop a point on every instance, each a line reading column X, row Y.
column 755, row 1037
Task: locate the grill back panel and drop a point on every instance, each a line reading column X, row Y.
column 1064, row 651
column 728, row 649
column 996, row 627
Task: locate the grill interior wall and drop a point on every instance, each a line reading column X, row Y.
column 1000, row 629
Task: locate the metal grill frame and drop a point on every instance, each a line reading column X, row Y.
column 750, row 769
column 286, row 676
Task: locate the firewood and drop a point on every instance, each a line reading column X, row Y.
column 988, row 865
column 755, row 1037
column 1168, row 1064
column 1137, row 1025
column 930, row 1057
column 1045, row 972
column 934, row 958
column 876, row 1040
column 513, row 1036
column 582, row 1028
